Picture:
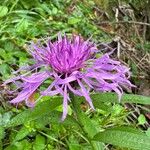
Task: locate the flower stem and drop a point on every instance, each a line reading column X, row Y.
column 80, row 118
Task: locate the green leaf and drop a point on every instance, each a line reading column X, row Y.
column 148, row 132
column 22, row 26
column 22, row 133
column 117, row 109
column 5, row 118
column 52, row 138
column 90, row 128
column 126, row 98
column 54, row 11
column 4, row 69
column 87, row 125
column 21, row 145
column 98, row 145
column 124, row 137
column 128, row 129
column 3, row 11
column 55, row 118
column 39, row 143
column 101, row 105
column 73, row 143
column 40, row 110
column 83, row 119
column 141, row 119
column 73, row 21
column 1, row 132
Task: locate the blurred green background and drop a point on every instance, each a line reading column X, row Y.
column 123, row 24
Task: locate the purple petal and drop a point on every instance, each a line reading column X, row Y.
column 85, row 93
column 65, row 104
column 30, row 87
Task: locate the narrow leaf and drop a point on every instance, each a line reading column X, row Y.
column 22, row 133
column 40, row 110
column 124, row 138
column 126, row 98
column 55, row 118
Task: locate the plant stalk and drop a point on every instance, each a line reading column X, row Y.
column 78, row 112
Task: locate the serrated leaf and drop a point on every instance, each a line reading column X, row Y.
column 55, row 118
column 23, row 132
column 40, row 110
column 126, row 98
column 124, row 138
column 128, row 129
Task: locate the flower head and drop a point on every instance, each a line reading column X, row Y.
column 72, row 66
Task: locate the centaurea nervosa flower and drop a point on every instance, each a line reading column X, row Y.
column 72, row 66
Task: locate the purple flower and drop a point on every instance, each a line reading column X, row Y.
column 72, row 66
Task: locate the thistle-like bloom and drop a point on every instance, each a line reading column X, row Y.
column 72, row 66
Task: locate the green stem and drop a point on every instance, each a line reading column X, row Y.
column 78, row 112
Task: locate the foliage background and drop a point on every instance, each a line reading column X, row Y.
column 113, row 22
